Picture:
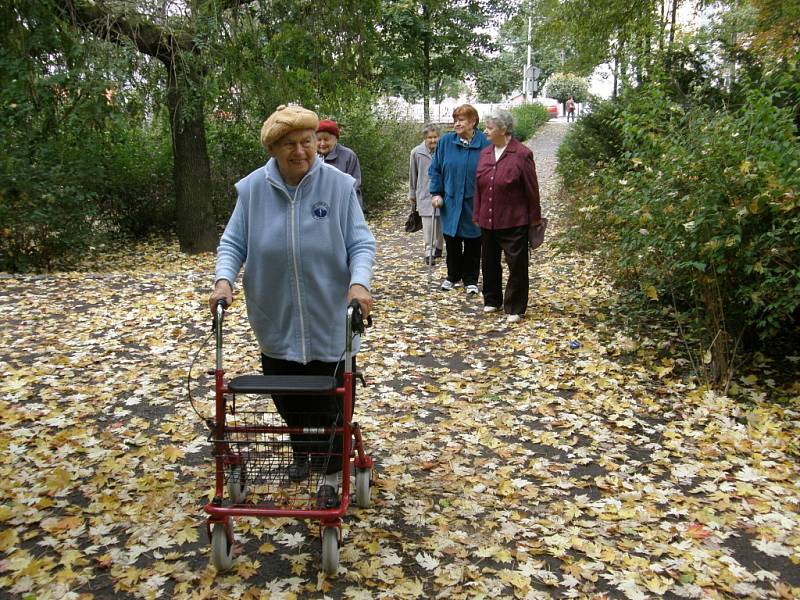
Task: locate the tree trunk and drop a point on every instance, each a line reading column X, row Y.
column 194, row 210
column 426, row 95
column 720, row 352
column 672, row 24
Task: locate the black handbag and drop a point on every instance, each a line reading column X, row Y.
column 413, row 222
column 536, row 234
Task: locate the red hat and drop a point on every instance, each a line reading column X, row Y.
column 328, row 126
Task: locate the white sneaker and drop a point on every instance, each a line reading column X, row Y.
column 447, row 285
column 513, row 318
column 490, row 309
column 473, row 290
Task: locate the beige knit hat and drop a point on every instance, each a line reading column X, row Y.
column 286, row 119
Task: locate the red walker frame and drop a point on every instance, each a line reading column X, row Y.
column 221, row 515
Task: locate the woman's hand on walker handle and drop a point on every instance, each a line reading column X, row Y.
column 437, row 201
column 360, row 293
column 222, row 291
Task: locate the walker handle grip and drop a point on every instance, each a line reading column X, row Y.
column 219, row 312
column 357, row 324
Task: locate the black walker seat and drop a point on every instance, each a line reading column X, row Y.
column 283, row 384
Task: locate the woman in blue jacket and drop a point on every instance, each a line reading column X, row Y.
column 452, row 187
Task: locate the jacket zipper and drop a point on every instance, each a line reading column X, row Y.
column 297, row 275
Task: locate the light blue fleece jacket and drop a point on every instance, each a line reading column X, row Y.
column 301, row 253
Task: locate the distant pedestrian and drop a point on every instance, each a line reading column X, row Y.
column 338, row 155
column 419, row 195
column 452, row 187
column 570, row 106
column 506, row 204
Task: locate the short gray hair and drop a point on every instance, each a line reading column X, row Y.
column 502, row 119
column 428, row 127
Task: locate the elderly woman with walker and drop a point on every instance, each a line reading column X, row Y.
column 299, row 232
column 506, row 206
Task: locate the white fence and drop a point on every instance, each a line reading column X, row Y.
column 440, row 112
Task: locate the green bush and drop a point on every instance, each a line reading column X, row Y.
column 235, row 150
column 137, row 190
column 45, row 225
column 383, row 147
column 381, row 141
column 529, row 118
column 592, row 141
column 48, row 204
column 694, row 204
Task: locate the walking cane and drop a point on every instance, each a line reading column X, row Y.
column 432, row 247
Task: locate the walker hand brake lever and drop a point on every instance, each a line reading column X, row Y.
column 360, row 376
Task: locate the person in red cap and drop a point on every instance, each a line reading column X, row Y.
column 336, row 154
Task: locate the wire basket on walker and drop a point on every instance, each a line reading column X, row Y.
column 272, row 458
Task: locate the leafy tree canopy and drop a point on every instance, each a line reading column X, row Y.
column 425, row 43
column 563, row 85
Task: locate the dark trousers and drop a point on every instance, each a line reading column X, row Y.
column 312, row 411
column 463, row 259
column 513, row 243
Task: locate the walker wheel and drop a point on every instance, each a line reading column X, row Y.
column 221, row 549
column 363, row 487
column 330, row 550
column 237, row 484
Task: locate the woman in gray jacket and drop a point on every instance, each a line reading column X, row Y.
column 420, row 197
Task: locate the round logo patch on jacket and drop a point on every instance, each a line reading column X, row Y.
column 320, row 210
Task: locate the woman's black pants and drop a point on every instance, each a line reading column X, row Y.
column 463, row 259
column 312, row 411
column 513, row 243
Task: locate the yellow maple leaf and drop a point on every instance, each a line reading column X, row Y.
column 657, row 585
column 8, row 539
column 187, row 534
column 266, row 548
column 651, row 292
column 5, row 513
column 72, row 556
column 58, row 479
column 246, row 569
column 172, row 454
column 506, row 488
column 503, row 555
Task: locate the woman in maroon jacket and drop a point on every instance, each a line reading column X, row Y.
column 506, row 204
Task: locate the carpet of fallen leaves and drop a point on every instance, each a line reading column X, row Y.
column 569, row 455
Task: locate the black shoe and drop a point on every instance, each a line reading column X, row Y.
column 327, row 497
column 298, row 470
column 438, row 253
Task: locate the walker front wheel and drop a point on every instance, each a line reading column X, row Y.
column 221, row 548
column 330, row 550
column 363, row 487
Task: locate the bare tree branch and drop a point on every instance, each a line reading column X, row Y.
column 104, row 22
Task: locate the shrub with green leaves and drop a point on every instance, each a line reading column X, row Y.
column 383, row 146
column 381, row 142
column 235, row 150
column 137, row 191
column 529, row 118
column 695, row 204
